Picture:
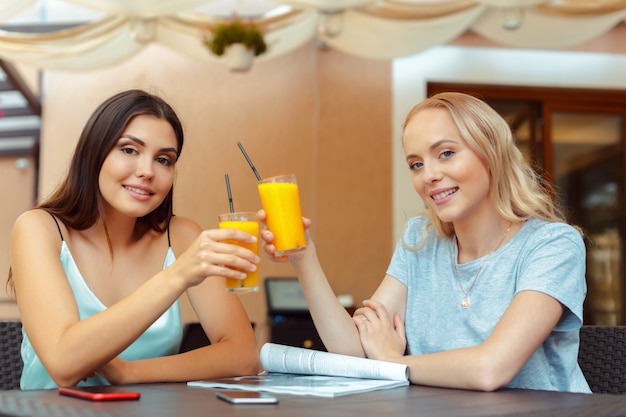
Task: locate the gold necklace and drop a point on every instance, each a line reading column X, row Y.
column 466, row 301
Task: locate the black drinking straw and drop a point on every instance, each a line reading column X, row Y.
column 230, row 195
column 243, row 151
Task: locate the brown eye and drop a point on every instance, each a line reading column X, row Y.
column 164, row 160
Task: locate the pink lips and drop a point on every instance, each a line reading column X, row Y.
column 139, row 192
column 443, row 196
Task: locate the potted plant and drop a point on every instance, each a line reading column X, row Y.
column 239, row 41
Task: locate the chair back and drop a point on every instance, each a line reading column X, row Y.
column 194, row 337
column 10, row 354
column 602, row 357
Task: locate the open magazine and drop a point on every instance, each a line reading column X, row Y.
column 295, row 360
column 293, row 370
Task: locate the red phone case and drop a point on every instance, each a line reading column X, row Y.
column 104, row 393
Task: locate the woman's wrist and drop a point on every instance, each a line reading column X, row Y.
column 303, row 256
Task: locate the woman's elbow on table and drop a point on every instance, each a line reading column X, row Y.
column 66, row 379
column 240, row 357
column 250, row 363
column 489, row 375
column 250, row 366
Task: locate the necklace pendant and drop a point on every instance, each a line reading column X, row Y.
column 465, row 303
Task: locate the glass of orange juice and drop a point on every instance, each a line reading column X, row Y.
column 247, row 222
column 281, row 202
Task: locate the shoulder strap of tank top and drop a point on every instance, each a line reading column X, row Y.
column 169, row 244
column 57, row 223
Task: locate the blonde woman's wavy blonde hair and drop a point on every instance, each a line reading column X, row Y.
column 517, row 190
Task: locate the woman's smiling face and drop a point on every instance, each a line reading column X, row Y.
column 138, row 172
column 447, row 174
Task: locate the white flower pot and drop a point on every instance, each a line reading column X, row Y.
column 238, row 57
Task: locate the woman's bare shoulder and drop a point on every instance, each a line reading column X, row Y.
column 35, row 232
column 183, row 231
column 36, row 222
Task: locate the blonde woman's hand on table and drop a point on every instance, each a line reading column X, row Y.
column 382, row 337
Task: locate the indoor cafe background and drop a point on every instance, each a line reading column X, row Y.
column 333, row 118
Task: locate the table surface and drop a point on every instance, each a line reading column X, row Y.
column 178, row 400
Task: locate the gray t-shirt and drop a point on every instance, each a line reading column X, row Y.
column 541, row 256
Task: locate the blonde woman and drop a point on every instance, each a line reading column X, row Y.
column 486, row 289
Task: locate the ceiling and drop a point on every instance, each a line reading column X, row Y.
column 85, row 34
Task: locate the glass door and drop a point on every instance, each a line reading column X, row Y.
column 588, row 171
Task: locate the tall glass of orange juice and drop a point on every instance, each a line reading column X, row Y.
column 247, row 222
column 281, row 202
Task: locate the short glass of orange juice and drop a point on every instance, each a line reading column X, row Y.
column 245, row 221
column 281, row 202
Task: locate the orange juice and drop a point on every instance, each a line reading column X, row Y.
column 247, row 223
column 281, row 202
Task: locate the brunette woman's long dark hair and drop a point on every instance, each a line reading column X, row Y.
column 77, row 201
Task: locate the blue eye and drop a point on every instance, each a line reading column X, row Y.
column 447, row 154
column 415, row 165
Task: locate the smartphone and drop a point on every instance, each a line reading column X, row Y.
column 103, row 393
column 246, row 397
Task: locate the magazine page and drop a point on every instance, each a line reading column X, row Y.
column 295, row 360
column 313, row 385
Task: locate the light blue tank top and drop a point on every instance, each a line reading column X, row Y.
column 162, row 338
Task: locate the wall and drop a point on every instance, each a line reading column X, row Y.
column 18, row 176
column 321, row 114
column 17, row 181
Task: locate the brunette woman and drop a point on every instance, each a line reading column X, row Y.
column 99, row 266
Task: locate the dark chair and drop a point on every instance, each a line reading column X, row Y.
column 602, row 357
column 193, row 337
column 10, row 354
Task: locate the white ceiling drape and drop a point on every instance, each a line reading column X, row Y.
column 370, row 36
column 373, row 29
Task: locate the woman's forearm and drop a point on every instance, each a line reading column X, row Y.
column 332, row 321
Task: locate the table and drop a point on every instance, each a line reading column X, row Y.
column 178, row 400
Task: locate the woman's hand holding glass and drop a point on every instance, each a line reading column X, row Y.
column 268, row 238
column 210, row 256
